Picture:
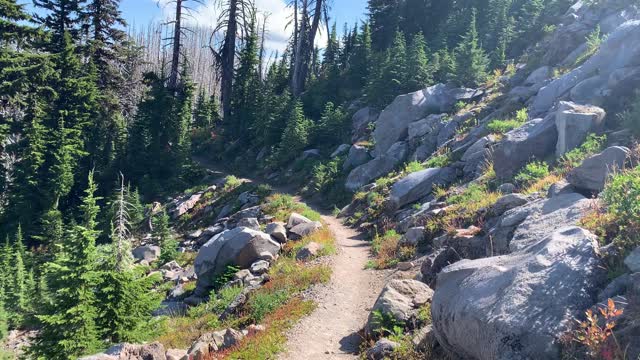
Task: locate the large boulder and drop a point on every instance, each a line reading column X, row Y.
column 361, row 120
column 357, row 156
column 393, row 122
column 420, row 184
column 534, row 140
column 299, row 231
column 153, row 351
column 516, row 306
column 425, row 126
column 523, row 226
column 621, row 49
column 593, row 173
column 240, row 246
column 574, row 123
column 400, row 299
column 296, row 219
column 477, row 156
column 277, row 231
column 185, row 206
column 364, row 174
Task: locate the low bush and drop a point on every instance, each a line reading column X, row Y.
column 413, row 166
column 593, row 145
column 281, row 206
column 532, row 172
column 630, row 118
column 504, row 126
column 231, row 182
column 385, row 250
column 622, row 200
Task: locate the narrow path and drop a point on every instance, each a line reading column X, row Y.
column 343, row 305
column 331, row 331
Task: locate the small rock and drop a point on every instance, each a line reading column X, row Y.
column 194, row 235
column 254, row 329
column 342, row 149
column 633, row 260
column 507, row 188
column 260, row 267
column 267, row 256
column 171, row 266
column 413, row 236
column 424, row 339
column 149, row 253
column 297, row 219
column 251, row 223
column 560, row 188
column 594, row 171
column 382, row 349
column 301, row 230
column 277, row 231
column 507, row 203
column 242, row 274
column 310, row 250
column 405, row 265
column 231, row 338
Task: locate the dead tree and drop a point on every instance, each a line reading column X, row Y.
column 304, row 46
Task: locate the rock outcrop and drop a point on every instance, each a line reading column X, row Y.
column 420, row 184
column 574, row 123
column 377, row 167
column 593, row 173
column 240, row 247
column 515, row 306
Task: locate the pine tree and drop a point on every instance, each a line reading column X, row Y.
column 389, row 77
column 61, row 18
column 471, row 60
column 162, row 232
column 295, row 136
column 385, row 18
column 69, row 326
column 202, row 114
column 4, row 317
column 360, row 66
column 121, row 229
column 180, row 123
column 417, row 64
column 18, row 295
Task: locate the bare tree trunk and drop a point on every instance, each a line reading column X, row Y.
column 261, row 65
column 175, row 59
column 296, row 79
column 304, row 48
column 228, row 59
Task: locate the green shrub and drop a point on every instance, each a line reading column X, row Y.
column 533, row 172
column 622, row 197
column 438, row 161
column 224, row 298
column 590, row 147
column 263, row 303
column 594, row 40
column 231, row 182
column 222, row 279
column 504, row 126
column 413, row 166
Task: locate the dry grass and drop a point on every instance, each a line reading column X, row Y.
column 266, row 344
column 386, row 251
column 281, row 206
column 543, row 184
column 324, row 237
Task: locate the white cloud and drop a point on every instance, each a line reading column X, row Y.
column 279, row 16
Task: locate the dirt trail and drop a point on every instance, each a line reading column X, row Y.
column 331, row 331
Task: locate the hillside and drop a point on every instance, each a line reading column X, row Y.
column 446, row 180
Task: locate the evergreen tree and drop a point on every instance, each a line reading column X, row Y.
column 471, row 60
column 162, row 232
column 295, row 136
column 384, row 16
column 417, row 64
column 202, row 114
column 61, row 18
column 333, row 127
column 4, row 317
column 180, row 124
column 360, row 66
column 18, row 295
column 69, row 326
column 443, row 65
column 390, row 79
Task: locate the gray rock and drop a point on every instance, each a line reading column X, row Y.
column 593, row 173
column 194, row 235
column 507, row 203
column 621, row 49
column 478, row 156
column 632, row 261
column 574, row 123
column 277, row 231
column 515, row 306
column 539, row 75
column 437, row 261
column 464, row 242
column 357, row 156
column 534, row 140
column 400, row 299
column 251, row 223
column 393, row 122
column 617, row 287
column 260, row 267
column 382, row 165
column 309, row 251
column 340, row 150
column 382, row 349
column 147, row 253
column 560, row 188
column 299, row 231
column 240, row 247
column 545, row 216
column 297, row 219
column 184, row 206
column 506, row 188
column 424, row 339
column 425, row 126
column 311, row 154
column 420, row 184
column 213, row 230
column 413, row 236
column 153, row 351
column 361, row 120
